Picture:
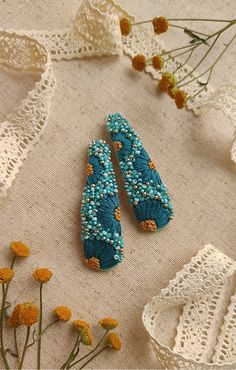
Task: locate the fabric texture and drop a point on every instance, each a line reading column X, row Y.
column 42, row 207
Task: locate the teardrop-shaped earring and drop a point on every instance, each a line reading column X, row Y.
column 100, row 211
column 147, row 193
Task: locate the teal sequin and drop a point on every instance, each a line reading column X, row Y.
column 147, row 193
column 101, row 230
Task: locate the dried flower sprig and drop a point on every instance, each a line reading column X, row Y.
column 168, row 82
column 30, row 316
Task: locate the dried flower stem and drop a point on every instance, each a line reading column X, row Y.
column 213, row 64
column 96, row 354
column 88, row 354
column 184, row 28
column 40, row 325
column 3, row 353
column 16, row 343
column 25, row 348
column 72, row 353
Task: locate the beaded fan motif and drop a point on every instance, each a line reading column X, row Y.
column 147, row 193
column 100, row 211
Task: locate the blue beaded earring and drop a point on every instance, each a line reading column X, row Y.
column 100, row 211
column 147, row 193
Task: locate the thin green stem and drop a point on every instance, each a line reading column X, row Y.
column 69, row 359
column 3, row 353
column 16, row 343
column 200, row 20
column 88, row 354
column 184, row 28
column 202, row 59
column 25, row 348
column 40, row 326
column 186, row 61
column 180, row 48
column 96, row 354
column 203, row 88
column 177, row 55
column 213, row 64
column 43, row 332
column 13, row 261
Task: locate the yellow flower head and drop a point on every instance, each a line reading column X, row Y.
column 113, row 341
column 125, row 26
column 14, row 319
column 86, row 337
column 160, row 25
column 6, row 274
column 172, row 91
column 157, row 62
column 20, row 249
column 81, row 325
column 108, row 323
column 139, row 62
column 180, row 99
column 24, row 314
column 42, row 275
column 168, row 80
column 62, row 313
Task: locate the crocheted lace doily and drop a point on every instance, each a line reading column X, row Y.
column 95, row 32
column 192, row 322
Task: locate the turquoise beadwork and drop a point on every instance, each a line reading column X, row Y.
column 147, row 193
column 100, row 212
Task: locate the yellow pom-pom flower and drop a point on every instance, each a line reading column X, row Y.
column 108, row 323
column 81, row 325
column 180, row 99
column 24, row 314
column 139, row 62
column 86, row 337
column 125, row 26
column 6, row 274
column 157, row 62
column 20, row 249
column 29, row 314
column 160, row 25
column 42, row 275
column 168, row 80
column 14, row 319
column 113, row 341
column 172, row 91
column 62, row 313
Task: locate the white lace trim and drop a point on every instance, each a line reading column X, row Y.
column 205, row 290
column 95, row 32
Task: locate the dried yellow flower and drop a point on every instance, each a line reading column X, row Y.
column 139, row 62
column 168, row 80
column 125, row 26
column 24, row 314
column 81, row 325
column 160, row 25
column 62, row 313
column 29, row 314
column 20, row 249
column 14, row 319
column 108, row 323
column 113, row 341
column 42, row 275
column 6, row 274
column 86, row 337
column 180, row 99
column 172, row 91
column 157, row 62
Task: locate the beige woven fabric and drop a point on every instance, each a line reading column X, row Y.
column 42, row 207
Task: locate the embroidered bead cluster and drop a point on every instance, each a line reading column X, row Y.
column 137, row 189
column 100, row 187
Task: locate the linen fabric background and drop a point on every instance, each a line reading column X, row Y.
column 42, row 208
